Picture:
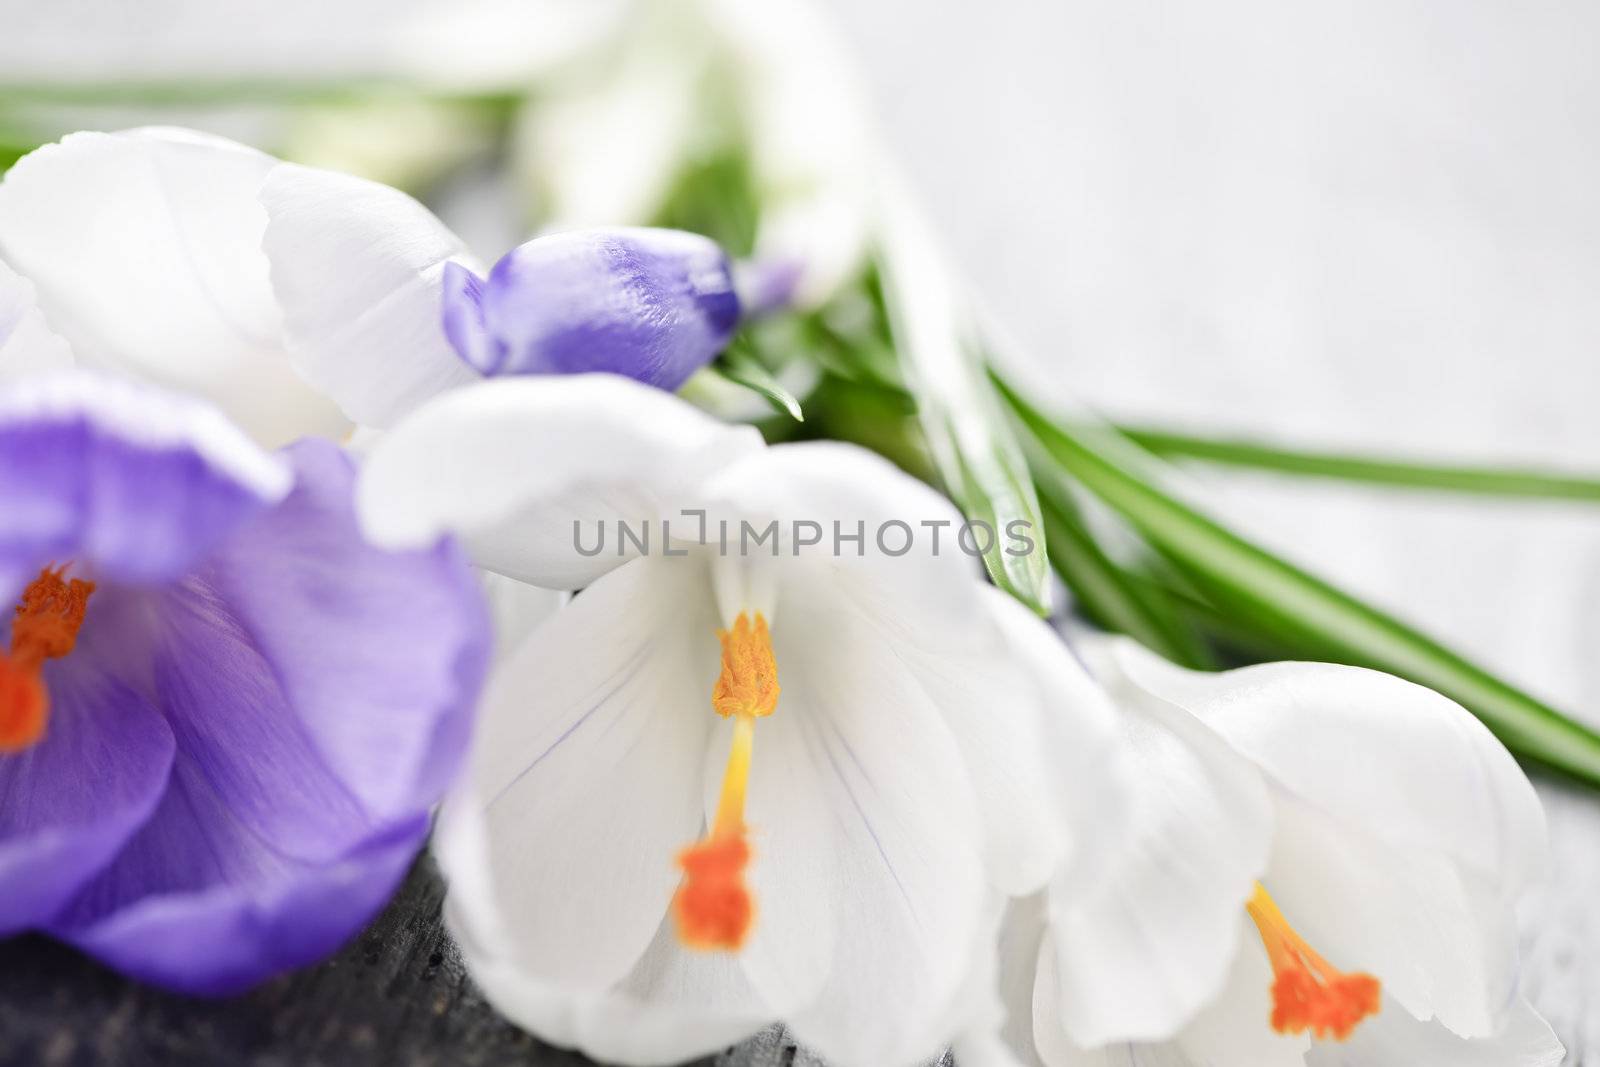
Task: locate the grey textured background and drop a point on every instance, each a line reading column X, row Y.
column 396, row 996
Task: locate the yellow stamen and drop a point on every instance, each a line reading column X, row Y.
column 1308, row 992
column 45, row 627
column 749, row 681
column 713, row 906
column 735, row 776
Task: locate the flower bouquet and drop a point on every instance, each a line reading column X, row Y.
column 707, row 584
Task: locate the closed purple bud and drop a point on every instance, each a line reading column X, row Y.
column 653, row 305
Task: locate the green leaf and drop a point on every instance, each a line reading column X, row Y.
column 879, row 419
column 739, row 364
column 979, row 460
column 1111, row 595
column 1271, row 593
column 1410, row 474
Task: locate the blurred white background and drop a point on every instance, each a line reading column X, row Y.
column 1369, row 225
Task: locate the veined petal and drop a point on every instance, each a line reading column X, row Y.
column 648, row 304
column 27, row 344
column 381, row 653
column 526, row 470
column 145, row 247
column 585, row 778
column 202, row 898
column 903, row 873
column 789, row 952
column 319, row 692
column 75, row 798
column 1378, row 753
column 1394, row 1038
column 135, row 484
column 358, row 270
column 1143, row 947
column 220, row 939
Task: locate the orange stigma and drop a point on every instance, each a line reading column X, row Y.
column 713, row 906
column 1308, row 992
column 45, row 627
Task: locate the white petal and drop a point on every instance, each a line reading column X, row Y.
column 1022, row 930
column 517, row 609
column 1392, row 805
column 844, row 491
column 977, row 1017
column 1053, row 1046
column 1396, row 1039
column 792, row 870
column 1435, row 934
column 586, row 776
column 27, row 344
column 1376, row 752
column 1085, row 776
column 145, row 247
column 1147, row 944
column 1236, row 1027
column 1234, row 1030
column 903, row 870
column 526, row 469
column 356, row 267
column 674, row 1005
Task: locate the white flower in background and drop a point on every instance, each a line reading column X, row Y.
column 772, row 76
column 721, row 791
column 302, row 301
column 1320, row 868
column 145, row 251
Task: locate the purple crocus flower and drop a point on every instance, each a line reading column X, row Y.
column 224, row 716
column 649, row 304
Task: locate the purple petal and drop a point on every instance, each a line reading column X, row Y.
column 69, row 803
column 383, row 653
column 132, row 483
column 219, row 940
column 463, row 321
column 654, row 305
column 769, row 286
column 320, row 692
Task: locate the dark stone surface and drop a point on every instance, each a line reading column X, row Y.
column 397, row 996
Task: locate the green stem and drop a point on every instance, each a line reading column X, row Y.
column 1486, row 481
column 1275, row 595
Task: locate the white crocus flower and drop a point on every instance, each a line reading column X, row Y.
column 298, row 300
column 800, row 124
column 305, row 301
column 665, row 843
column 1319, row 869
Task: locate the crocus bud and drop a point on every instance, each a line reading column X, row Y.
column 654, row 305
